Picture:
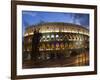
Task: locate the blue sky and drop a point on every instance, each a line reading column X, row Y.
column 36, row 17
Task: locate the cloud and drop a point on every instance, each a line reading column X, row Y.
column 33, row 14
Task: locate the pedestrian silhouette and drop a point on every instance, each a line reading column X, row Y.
column 35, row 44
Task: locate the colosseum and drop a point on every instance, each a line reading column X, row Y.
column 61, row 44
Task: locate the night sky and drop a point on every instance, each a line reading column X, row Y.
column 36, row 17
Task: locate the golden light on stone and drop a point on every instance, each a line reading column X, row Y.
column 59, row 38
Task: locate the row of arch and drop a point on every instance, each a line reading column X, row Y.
column 60, row 37
column 62, row 46
column 74, row 37
column 59, row 46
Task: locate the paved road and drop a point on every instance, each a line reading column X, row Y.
column 71, row 61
